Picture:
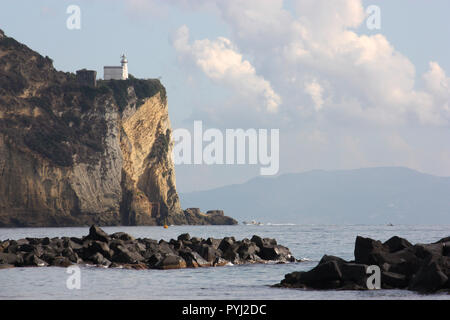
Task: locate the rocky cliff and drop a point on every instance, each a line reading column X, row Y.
column 72, row 154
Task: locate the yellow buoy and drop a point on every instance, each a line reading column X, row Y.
column 166, row 226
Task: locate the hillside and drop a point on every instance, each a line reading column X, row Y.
column 364, row 196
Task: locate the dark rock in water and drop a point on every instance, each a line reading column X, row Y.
column 32, row 260
column 99, row 247
column 171, row 261
column 446, row 239
column 323, row 276
column 430, row 278
column 366, row 249
column 446, row 249
column 11, row 258
column 247, row 250
column 184, row 237
column 327, row 258
column 154, row 259
column 421, row 267
column 60, row 261
column 4, row 245
column 392, row 280
column 275, row 252
column 395, row 244
column 231, row 256
column 226, row 244
column 209, row 253
column 99, row 260
column 123, row 255
column 193, row 259
column 71, row 255
column 122, row 250
column 122, row 236
column 213, row 242
column 96, row 233
column 353, row 272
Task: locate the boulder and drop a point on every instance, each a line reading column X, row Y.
column 123, row 255
column 353, row 272
column 390, row 280
column 96, row 233
column 71, row 255
column 99, row 260
column 366, row 248
column 11, row 258
column 154, row 259
column 193, row 259
column 323, row 276
column 226, row 244
column 21, row 242
column 74, row 245
column 184, row 237
column 32, row 260
column 231, row 256
column 421, row 267
column 61, row 261
column 275, row 252
column 209, row 253
column 327, row 258
column 171, row 262
column 99, row 247
column 4, row 245
column 293, row 279
column 34, row 241
column 247, row 251
column 430, row 278
column 446, row 248
column 395, row 244
column 176, row 244
column 213, row 242
column 165, row 248
column 219, row 262
column 122, row 236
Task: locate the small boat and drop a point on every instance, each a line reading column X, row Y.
column 390, row 225
column 252, row 223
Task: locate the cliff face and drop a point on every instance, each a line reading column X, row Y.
column 75, row 155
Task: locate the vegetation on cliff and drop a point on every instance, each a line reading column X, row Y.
column 72, row 154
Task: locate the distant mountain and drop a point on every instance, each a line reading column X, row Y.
column 364, row 196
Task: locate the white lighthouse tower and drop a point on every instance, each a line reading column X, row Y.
column 116, row 72
column 124, row 63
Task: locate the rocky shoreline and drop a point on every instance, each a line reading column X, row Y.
column 121, row 250
column 423, row 268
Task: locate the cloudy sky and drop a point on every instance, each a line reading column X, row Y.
column 343, row 95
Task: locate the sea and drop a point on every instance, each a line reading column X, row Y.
column 231, row 282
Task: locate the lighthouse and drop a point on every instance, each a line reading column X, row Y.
column 124, row 63
column 117, row 73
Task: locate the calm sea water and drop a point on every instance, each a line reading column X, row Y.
column 229, row 282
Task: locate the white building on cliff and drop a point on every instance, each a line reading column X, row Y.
column 117, row 73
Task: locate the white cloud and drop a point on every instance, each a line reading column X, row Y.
column 315, row 90
column 220, row 61
column 343, row 99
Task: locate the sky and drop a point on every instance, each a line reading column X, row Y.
column 342, row 95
